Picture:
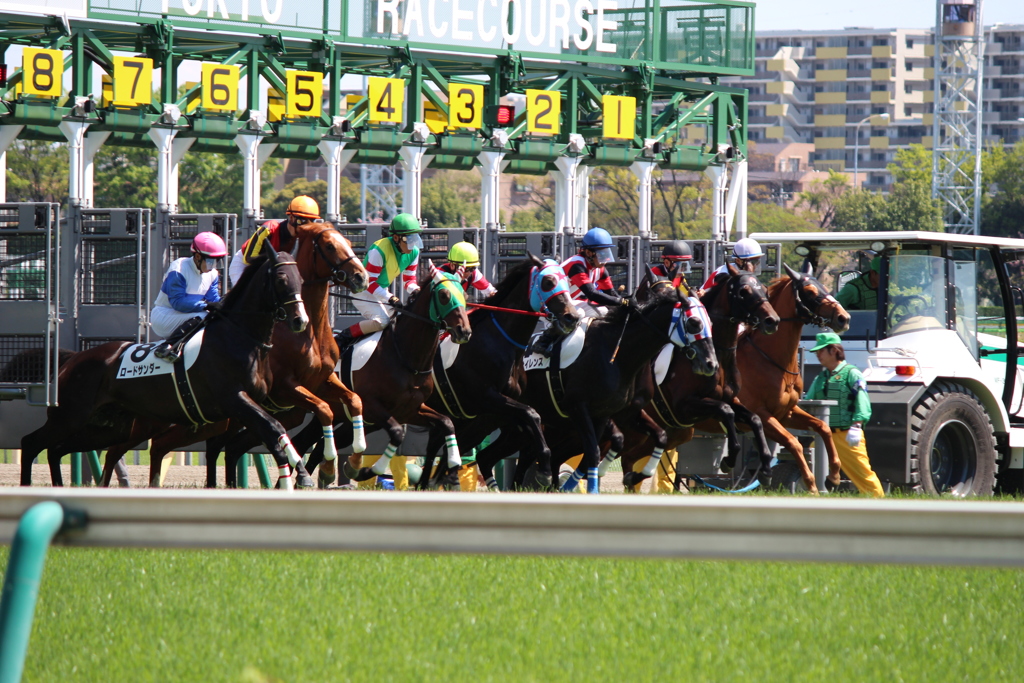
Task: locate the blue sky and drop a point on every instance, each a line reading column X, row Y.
column 788, row 15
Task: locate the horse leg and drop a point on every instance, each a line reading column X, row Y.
column 396, row 435
column 617, row 442
column 114, row 455
column 774, row 430
column 646, row 425
column 274, row 437
column 31, row 446
column 588, row 432
column 801, row 419
column 427, row 479
column 746, row 416
column 335, row 393
column 305, row 401
column 499, row 449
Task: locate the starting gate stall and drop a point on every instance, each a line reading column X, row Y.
column 179, row 229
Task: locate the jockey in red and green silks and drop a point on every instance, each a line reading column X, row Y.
column 386, row 260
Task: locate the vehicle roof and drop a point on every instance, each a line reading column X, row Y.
column 862, row 240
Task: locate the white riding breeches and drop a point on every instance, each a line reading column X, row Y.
column 371, row 308
column 590, row 310
column 164, row 320
column 236, row 268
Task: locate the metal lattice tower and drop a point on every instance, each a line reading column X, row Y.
column 381, row 190
column 956, row 127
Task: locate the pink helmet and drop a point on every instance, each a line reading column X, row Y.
column 210, row 245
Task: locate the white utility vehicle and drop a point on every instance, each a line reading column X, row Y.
column 939, row 351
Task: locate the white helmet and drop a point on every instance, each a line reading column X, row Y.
column 747, row 248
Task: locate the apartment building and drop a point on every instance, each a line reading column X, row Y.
column 860, row 94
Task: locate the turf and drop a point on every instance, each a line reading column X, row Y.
column 128, row 615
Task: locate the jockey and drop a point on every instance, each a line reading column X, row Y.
column 675, row 260
column 281, row 234
column 388, row 258
column 747, row 256
column 464, row 261
column 589, row 285
column 190, row 286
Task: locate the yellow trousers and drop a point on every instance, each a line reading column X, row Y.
column 854, row 461
column 468, row 478
column 398, row 471
column 664, row 474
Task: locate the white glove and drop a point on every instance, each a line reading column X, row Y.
column 854, row 436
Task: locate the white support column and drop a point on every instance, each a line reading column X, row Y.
column 178, row 148
column 336, row 158
column 490, row 188
column 8, row 134
column 644, row 171
column 92, row 145
column 255, row 155
column 583, row 196
column 412, row 164
column 163, row 138
column 736, row 202
column 74, row 131
column 718, row 180
column 565, row 193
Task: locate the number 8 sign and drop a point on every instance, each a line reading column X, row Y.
column 543, row 111
column 305, row 93
column 220, row 87
column 43, row 72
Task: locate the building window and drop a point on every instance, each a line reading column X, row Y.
column 907, row 88
column 907, row 112
column 908, row 65
column 910, row 43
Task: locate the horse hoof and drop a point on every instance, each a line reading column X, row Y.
column 543, row 481
column 350, row 472
column 631, row 479
column 364, row 474
column 326, row 473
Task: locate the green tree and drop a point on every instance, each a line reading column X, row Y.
column 910, row 207
column 912, row 165
column 532, row 220
column 1002, row 212
column 765, row 217
column 125, row 177
column 37, row 171
column 276, row 202
column 213, row 183
column 822, row 195
column 859, row 211
column 451, row 199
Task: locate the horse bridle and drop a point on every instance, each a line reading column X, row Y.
column 280, row 313
column 747, row 318
column 804, row 312
column 337, row 275
column 689, row 351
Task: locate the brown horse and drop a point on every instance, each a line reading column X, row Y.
column 772, row 384
column 301, row 364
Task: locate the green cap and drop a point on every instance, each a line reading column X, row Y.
column 826, row 339
column 876, row 264
column 405, row 224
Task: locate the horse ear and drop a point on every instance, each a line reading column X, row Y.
column 269, row 251
column 536, row 260
column 733, row 270
column 437, row 277
column 792, row 273
column 808, row 268
column 651, row 277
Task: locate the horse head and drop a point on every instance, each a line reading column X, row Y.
column 549, row 292
column 285, row 285
column 814, row 304
column 448, row 306
column 748, row 301
column 325, row 255
column 690, row 328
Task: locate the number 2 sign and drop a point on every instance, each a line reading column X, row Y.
column 543, row 111
column 387, row 97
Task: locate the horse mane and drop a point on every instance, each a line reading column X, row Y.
column 617, row 316
column 235, row 293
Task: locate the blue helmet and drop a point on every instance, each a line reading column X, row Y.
column 597, row 238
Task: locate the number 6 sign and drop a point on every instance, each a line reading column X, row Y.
column 220, row 87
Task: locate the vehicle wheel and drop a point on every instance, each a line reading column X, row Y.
column 786, row 476
column 952, row 448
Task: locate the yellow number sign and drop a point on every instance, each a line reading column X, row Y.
column 434, row 118
column 387, row 97
column 465, row 106
column 133, row 81
column 275, row 105
column 543, row 111
column 43, row 71
column 107, row 89
column 220, row 87
column 619, row 115
column 305, row 93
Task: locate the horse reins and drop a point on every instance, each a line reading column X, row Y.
column 337, row 275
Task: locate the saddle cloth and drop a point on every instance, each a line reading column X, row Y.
column 662, row 362
column 355, row 357
column 568, row 348
column 138, row 359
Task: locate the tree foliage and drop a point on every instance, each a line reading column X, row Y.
column 125, row 177
column 37, row 171
column 1002, row 212
column 451, row 199
column 822, row 196
column 276, row 202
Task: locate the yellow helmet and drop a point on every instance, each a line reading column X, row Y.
column 304, row 207
column 464, row 254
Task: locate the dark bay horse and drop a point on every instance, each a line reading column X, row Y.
column 472, row 390
column 300, row 364
column 772, row 383
column 396, row 382
column 228, row 380
column 685, row 397
column 579, row 401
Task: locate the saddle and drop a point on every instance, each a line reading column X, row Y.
column 445, row 357
column 138, row 361
column 354, row 357
column 565, row 352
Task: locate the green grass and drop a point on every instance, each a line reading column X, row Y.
column 128, row 615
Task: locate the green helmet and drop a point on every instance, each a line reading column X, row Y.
column 405, row 224
column 464, row 254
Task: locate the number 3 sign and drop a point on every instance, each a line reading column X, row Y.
column 465, row 106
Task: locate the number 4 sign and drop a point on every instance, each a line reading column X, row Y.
column 387, row 98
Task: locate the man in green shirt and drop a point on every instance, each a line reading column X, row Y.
column 839, row 381
column 861, row 293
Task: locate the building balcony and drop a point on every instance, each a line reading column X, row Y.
column 830, row 98
column 830, row 75
column 856, row 74
column 881, row 74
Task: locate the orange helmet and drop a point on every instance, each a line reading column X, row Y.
column 304, row 207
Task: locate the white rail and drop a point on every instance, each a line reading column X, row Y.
column 788, row 529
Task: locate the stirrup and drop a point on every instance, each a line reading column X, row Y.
column 166, row 352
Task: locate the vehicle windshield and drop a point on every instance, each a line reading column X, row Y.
column 916, row 295
column 965, row 283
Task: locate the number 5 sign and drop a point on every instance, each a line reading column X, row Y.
column 619, row 114
column 543, row 111
column 220, row 87
column 305, row 93
column 387, row 96
column 465, row 106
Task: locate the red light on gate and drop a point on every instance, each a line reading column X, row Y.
column 3, row 75
column 905, row 370
column 499, row 116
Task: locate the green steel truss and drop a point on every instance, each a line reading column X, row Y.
column 670, row 100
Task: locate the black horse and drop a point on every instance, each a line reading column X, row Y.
column 228, row 379
column 473, row 390
column 577, row 403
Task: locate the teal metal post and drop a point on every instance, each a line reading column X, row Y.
column 76, row 469
column 243, row 471
column 97, row 469
column 262, row 471
column 21, row 585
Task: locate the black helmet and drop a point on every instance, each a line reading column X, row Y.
column 677, row 250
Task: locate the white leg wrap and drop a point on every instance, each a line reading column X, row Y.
column 652, row 464
column 381, row 465
column 454, row 457
column 606, row 462
column 284, row 479
column 289, row 450
column 358, row 435
column 330, row 450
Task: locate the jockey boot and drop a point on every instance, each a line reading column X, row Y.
column 545, row 343
column 170, row 349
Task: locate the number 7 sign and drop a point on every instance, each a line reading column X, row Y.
column 387, row 99
column 133, row 81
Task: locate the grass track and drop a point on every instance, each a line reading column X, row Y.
column 129, row 615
